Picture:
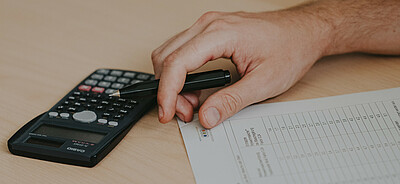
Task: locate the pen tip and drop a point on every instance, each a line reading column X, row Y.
column 115, row 94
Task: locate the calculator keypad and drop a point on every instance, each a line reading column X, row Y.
column 104, row 84
column 110, row 78
column 90, row 102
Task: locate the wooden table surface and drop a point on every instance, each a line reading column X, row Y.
column 47, row 47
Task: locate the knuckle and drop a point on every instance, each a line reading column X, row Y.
column 171, row 59
column 231, row 102
column 155, row 56
column 240, row 13
column 218, row 24
column 208, row 16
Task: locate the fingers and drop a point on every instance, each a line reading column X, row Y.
column 192, row 98
column 184, row 109
column 165, row 49
column 159, row 55
column 185, row 105
column 228, row 101
column 190, row 56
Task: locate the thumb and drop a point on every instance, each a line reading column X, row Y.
column 228, row 101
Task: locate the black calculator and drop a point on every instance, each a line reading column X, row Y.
column 86, row 124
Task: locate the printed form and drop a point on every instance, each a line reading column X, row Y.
column 351, row 138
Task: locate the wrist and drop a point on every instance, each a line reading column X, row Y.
column 315, row 27
column 322, row 23
column 356, row 26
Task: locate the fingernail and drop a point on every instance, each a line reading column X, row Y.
column 180, row 116
column 212, row 116
column 160, row 112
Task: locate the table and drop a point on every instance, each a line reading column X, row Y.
column 47, row 47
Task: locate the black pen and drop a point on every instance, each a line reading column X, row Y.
column 196, row 81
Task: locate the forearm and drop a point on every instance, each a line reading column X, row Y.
column 371, row 26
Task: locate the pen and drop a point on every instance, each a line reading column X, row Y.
column 196, row 81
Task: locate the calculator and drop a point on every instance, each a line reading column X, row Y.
column 86, row 124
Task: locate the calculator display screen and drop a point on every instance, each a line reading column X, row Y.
column 69, row 133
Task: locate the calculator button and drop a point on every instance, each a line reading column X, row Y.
column 64, row 115
column 103, row 71
column 66, row 102
column 93, row 100
column 87, row 94
column 77, row 104
column 91, row 82
column 118, row 116
column 117, row 86
column 109, row 91
column 110, row 78
column 143, row 76
column 132, row 101
column 71, row 109
column 98, row 96
column 85, row 116
column 121, row 100
column 116, row 104
column 84, row 88
column 102, row 121
column 111, row 109
column 82, row 99
column 113, row 123
column 104, row 84
column 53, row 114
column 123, row 111
column 60, row 107
column 116, row 73
column 111, row 98
column 123, row 80
column 71, row 98
column 97, row 76
column 104, row 102
column 106, row 114
column 100, row 107
column 128, row 106
column 77, row 93
column 98, row 90
column 135, row 81
column 129, row 74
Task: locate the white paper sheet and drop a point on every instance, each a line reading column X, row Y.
column 351, row 138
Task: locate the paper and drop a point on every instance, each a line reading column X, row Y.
column 343, row 139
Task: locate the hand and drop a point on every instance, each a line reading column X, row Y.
column 271, row 51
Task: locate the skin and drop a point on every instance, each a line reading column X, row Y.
column 271, row 51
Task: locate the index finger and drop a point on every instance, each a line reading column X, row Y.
column 190, row 56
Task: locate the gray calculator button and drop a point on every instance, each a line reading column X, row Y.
column 102, row 121
column 143, row 76
column 117, row 86
column 110, row 78
column 53, row 114
column 123, row 80
column 113, row 123
column 129, row 74
column 104, row 84
column 135, row 81
column 116, row 73
column 64, row 115
column 109, row 91
column 103, row 71
column 97, row 76
column 85, row 116
column 91, row 82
